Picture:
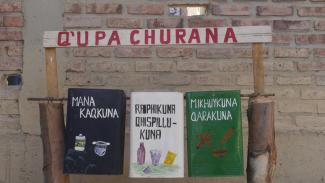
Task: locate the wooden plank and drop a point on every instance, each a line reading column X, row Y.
column 172, row 36
column 51, row 72
column 261, row 156
column 258, row 68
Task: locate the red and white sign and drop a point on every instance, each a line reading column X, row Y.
column 169, row 36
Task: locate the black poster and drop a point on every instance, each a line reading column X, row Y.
column 95, row 131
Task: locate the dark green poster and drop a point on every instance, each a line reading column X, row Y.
column 215, row 142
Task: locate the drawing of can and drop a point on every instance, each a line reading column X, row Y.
column 170, row 157
column 80, row 143
column 100, row 147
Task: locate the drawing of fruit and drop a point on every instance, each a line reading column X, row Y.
column 147, row 170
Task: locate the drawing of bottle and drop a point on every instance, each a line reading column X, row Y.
column 80, row 143
column 141, row 154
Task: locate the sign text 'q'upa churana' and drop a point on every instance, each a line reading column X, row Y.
column 169, row 36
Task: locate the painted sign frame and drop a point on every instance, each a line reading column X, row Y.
column 50, row 43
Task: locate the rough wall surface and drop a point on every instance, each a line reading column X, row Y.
column 11, row 37
column 295, row 72
column 13, row 152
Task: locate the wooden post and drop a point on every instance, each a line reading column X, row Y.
column 261, row 158
column 258, row 67
column 51, row 72
column 52, row 125
column 52, row 130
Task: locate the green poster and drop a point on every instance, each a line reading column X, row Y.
column 214, row 130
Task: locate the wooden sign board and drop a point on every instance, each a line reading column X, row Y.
column 214, row 129
column 95, row 131
column 157, row 135
column 168, row 36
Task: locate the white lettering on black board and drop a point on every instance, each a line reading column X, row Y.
column 88, row 110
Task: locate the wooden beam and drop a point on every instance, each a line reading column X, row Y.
column 258, row 67
column 51, row 72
